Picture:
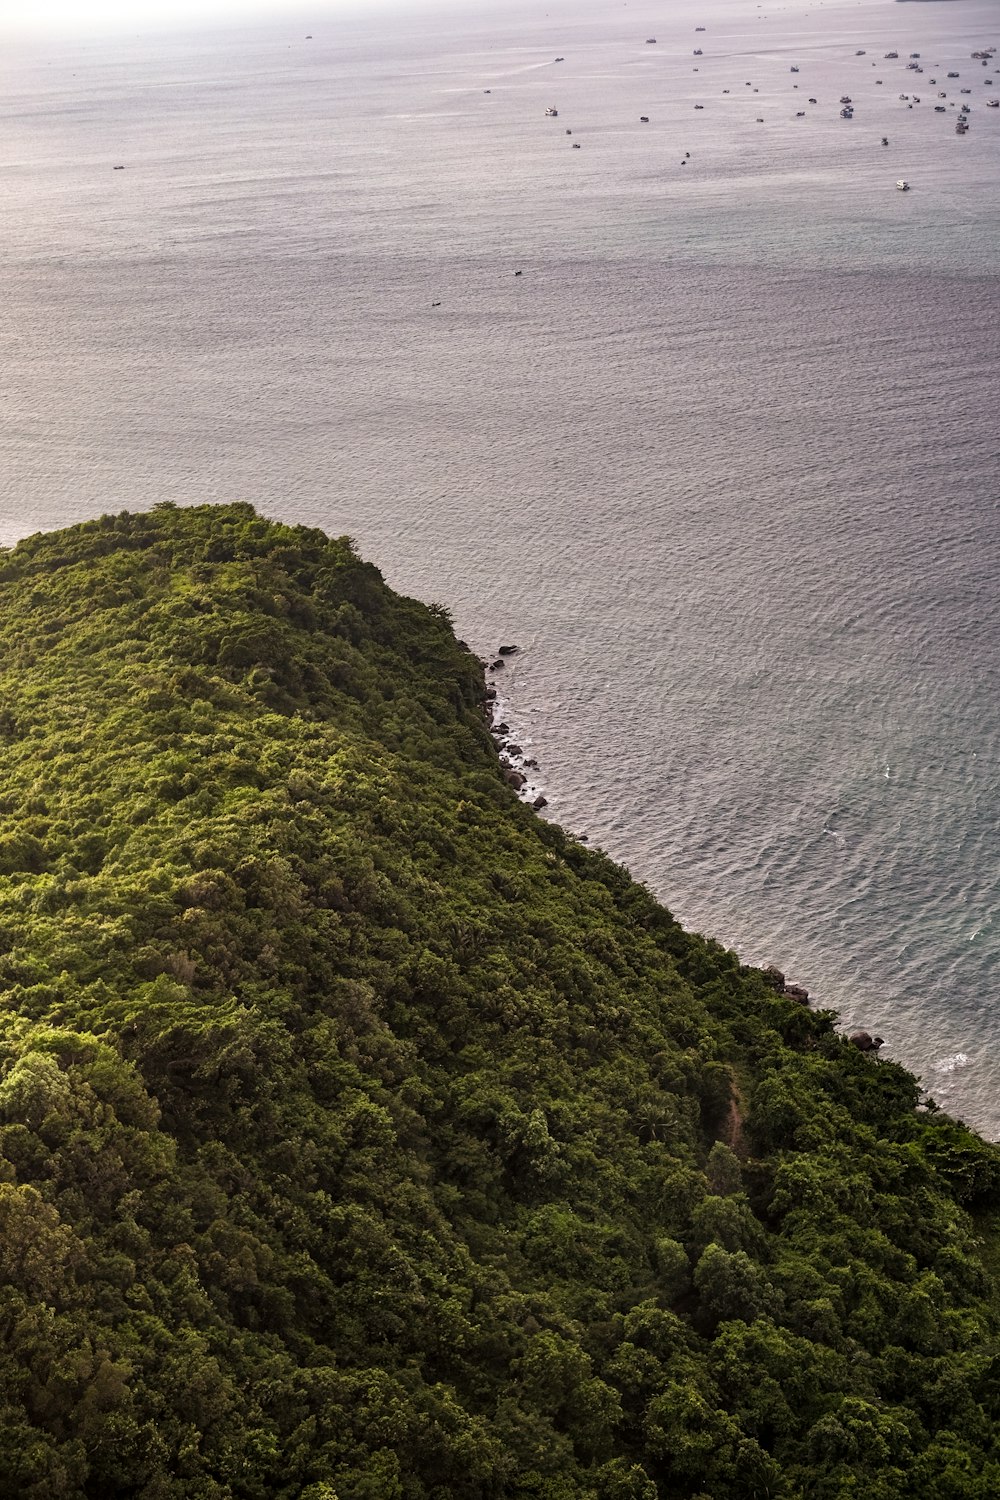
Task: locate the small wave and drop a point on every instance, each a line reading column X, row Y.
column 953, row 1063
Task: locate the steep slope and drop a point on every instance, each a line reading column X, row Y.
column 364, row 1136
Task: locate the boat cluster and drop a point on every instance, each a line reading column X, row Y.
column 913, row 64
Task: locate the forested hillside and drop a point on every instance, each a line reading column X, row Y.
column 365, row 1137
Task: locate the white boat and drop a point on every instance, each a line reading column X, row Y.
column 551, row 112
column 903, row 185
column 993, row 104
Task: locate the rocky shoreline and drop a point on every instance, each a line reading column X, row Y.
column 516, row 764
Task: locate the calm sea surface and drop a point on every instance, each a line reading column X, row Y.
column 724, row 460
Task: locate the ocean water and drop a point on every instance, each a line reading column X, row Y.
column 724, row 460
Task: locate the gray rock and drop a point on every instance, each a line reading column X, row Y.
column 507, row 650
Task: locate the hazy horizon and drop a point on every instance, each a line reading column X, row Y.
column 49, row 18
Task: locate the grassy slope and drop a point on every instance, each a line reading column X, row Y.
column 362, row 1135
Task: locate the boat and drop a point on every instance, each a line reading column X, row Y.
column 993, row 104
column 903, row 185
column 914, row 54
column 699, row 106
column 699, row 28
column 812, row 101
column 800, row 114
column 953, row 75
column 847, row 113
column 552, row 112
column 892, row 54
column 793, row 70
column 643, row 119
column 651, row 41
column 860, row 52
column 939, row 109
column 698, row 52
column 845, row 98
column 885, row 140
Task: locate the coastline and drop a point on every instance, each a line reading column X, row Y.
column 520, row 770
